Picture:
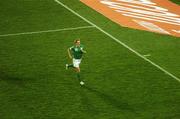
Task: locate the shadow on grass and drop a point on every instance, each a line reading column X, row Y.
column 111, row 101
column 88, row 107
column 11, row 79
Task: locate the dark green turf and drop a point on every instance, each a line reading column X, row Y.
column 119, row 84
column 176, row 1
column 34, row 15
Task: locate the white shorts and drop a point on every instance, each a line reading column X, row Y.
column 76, row 62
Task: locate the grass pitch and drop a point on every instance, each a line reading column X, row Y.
column 119, row 85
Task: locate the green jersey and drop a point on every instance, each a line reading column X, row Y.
column 76, row 51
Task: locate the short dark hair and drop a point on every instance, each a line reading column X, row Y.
column 75, row 41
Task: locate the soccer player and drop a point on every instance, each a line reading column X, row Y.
column 75, row 53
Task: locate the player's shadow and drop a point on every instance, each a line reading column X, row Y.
column 87, row 104
column 110, row 100
column 12, row 80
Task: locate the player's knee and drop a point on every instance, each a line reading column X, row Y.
column 78, row 69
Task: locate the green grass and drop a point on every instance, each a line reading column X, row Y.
column 119, row 84
column 176, row 1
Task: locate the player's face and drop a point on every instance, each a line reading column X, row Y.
column 78, row 43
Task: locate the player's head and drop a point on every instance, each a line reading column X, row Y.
column 77, row 42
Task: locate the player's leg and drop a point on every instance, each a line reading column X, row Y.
column 77, row 69
column 70, row 65
column 76, row 64
column 78, row 76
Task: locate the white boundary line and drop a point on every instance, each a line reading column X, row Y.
column 118, row 41
column 46, row 31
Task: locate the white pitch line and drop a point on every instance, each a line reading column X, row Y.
column 118, row 41
column 148, row 55
column 46, row 31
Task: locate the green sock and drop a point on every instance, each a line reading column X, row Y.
column 70, row 65
column 78, row 76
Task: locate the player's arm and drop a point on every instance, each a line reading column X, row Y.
column 83, row 50
column 69, row 53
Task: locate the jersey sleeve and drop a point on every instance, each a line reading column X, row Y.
column 82, row 47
